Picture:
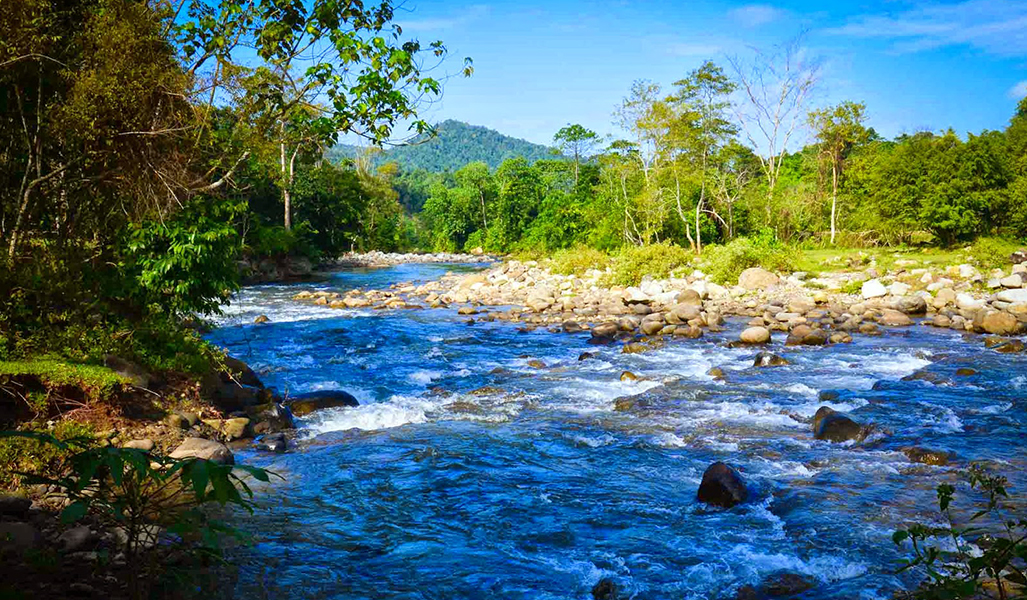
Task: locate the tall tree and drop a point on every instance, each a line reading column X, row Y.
column 837, row 130
column 776, row 87
column 702, row 101
column 579, row 142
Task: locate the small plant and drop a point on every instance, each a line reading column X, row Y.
column 990, row 253
column 725, row 263
column 632, row 263
column 993, row 563
column 578, row 260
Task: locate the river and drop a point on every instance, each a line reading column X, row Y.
column 536, row 488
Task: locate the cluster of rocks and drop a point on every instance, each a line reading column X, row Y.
column 270, row 270
column 386, row 259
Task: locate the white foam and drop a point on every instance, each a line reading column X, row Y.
column 398, row 411
column 424, row 377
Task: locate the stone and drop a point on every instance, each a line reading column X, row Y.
column 941, row 321
column 205, row 450
column 688, row 331
column 261, row 319
column 628, row 376
column 1012, row 296
column 965, row 301
column 965, row 372
column 898, row 289
column 146, row 445
column 840, row 337
column 19, row 537
column 272, row 442
column 766, row 359
column 242, row 373
column 689, row 297
column 606, row 589
column 587, row 356
column 722, row 486
column 785, row 584
column 756, row 278
column 716, row 373
column 75, row 539
column 755, row 335
column 944, row 297
column 232, row 429
column 1010, row 347
column 869, row 329
column 1014, row 281
column 873, row 289
column 304, row 404
column 995, row 322
column 536, row 364
column 894, row 318
column 605, row 331
column 14, row 506
column 652, row 327
column 833, row 426
column 911, row 305
column 927, row 456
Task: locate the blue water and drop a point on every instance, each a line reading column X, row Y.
column 539, row 488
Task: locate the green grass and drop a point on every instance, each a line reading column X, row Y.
column 985, row 254
column 96, row 382
column 21, row 455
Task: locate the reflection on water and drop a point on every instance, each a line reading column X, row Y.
column 536, row 487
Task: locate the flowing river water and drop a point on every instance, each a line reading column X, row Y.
column 536, row 488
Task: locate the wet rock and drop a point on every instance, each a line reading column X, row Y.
column 833, row 426
column 233, row 429
column 807, row 336
column 272, row 442
column 587, row 356
column 688, row 331
column 840, row 337
column 467, row 310
column 626, row 403
column 966, row 372
column 869, row 329
column 261, row 319
column 628, row 376
column 205, row 450
column 767, row 359
column 606, row 589
column 304, row 404
column 928, row 377
column 605, row 331
column 927, row 456
column 722, row 486
column 1010, row 347
column 146, row 445
column 571, row 327
column 536, row 364
column 784, row 584
column 652, row 327
column 755, row 335
column 635, row 348
column 757, row 279
column 716, row 373
column 14, row 506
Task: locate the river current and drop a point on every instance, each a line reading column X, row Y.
column 536, row 488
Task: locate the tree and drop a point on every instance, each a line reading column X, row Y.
column 776, row 88
column 837, row 130
column 577, row 140
column 701, row 100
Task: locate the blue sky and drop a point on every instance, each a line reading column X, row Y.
column 540, row 65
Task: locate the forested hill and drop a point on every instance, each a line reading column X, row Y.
column 456, row 145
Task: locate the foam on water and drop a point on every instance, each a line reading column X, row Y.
column 396, row 412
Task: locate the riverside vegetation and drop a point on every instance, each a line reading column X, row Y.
column 146, row 168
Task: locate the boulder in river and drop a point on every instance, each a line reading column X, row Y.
column 606, row 589
column 911, row 305
column 272, row 442
column 304, row 404
column 833, row 426
column 995, row 322
column 927, row 456
column 605, row 331
column 722, row 486
column 767, row 359
column 755, row 335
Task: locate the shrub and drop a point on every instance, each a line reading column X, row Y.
column 988, row 566
column 725, row 263
column 632, row 263
column 27, row 454
column 578, row 260
column 989, row 252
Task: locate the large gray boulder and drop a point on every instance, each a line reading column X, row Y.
column 205, row 450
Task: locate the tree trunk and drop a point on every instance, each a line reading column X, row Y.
column 834, row 199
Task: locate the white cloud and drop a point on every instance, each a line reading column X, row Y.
column 1018, row 91
column 994, row 26
column 755, row 15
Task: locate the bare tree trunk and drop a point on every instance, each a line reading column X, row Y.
column 834, row 199
column 484, row 219
column 681, row 210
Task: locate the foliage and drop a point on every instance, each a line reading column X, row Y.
column 144, row 494
column 725, row 263
column 984, row 557
column 991, row 252
column 35, row 454
column 632, row 263
column 96, row 382
column 578, row 260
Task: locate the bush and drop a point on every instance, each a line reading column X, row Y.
column 632, row 263
column 989, row 252
column 725, row 263
column 578, row 260
column 19, row 455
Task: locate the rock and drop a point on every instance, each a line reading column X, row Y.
column 241, row 373
column 766, row 359
column 1014, row 281
column 927, row 376
column 1018, row 257
column 873, row 289
column 137, row 375
column 690, row 297
column 204, row 449
column 571, row 327
column 146, row 445
column 182, row 419
column 756, row 278
column 912, row 305
column 261, row 319
column 272, row 442
column 869, row 329
column 966, row 372
column 937, row 458
column 635, row 348
column 304, row 404
column 587, row 356
column 894, row 318
column 755, row 335
column 605, row 331
column 898, row 289
column 807, row 336
column 784, row 584
column 688, row 331
column 834, row 426
column 941, row 321
column 19, row 537
column 271, row 418
column 965, row 301
column 1010, row 347
column 944, row 297
column 716, row 373
column 232, row 429
column 628, row 376
column 652, row 327
column 996, row 322
column 75, row 539
column 606, row 589
column 536, row 364
column 14, row 506
column 468, row 310
column 625, row 403
column 722, row 486
column 1012, row 296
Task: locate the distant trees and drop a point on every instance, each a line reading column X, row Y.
column 838, row 129
column 578, row 142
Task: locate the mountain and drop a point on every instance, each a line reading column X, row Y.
column 456, row 144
